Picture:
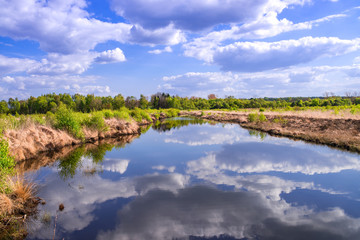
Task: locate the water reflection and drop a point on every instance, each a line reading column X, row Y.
column 207, row 212
column 176, row 123
column 201, row 181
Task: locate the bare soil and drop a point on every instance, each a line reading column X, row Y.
column 317, row 127
column 30, row 142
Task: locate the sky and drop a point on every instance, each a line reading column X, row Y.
column 240, row 48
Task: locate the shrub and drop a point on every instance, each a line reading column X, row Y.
column 108, row 114
column 172, row 113
column 262, row 118
column 139, row 114
column 66, row 120
column 95, row 121
column 253, row 117
column 262, row 110
column 122, row 115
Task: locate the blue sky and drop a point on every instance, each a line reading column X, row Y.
column 241, row 48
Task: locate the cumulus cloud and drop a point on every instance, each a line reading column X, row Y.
column 167, row 35
column 59, row 26
column 259, row 56
column 8, row 79
column 271, row 83
column 25, row 86
column 159, row 51
column 198, row 15
column 111, row 56
column 12, row 65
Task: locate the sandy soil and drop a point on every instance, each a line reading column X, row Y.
column 342, row 131
column 30, row 142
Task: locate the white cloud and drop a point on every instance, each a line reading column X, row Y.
column 267, row 26
column 167, row 49
column 8, row 79
column 259, row 56
column 111, row 56
column 162, row 167
column 163, row 36
column 56, row 64
column 59, row 26
column 196, row 15
column 25, row 86
column 273, row 83
column 13, row 65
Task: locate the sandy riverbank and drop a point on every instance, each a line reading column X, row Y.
column 342, row 131
column 32, row 141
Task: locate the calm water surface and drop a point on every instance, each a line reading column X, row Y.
column 200, row 181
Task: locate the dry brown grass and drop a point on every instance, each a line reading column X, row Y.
column 6, row 205
column 22, row 189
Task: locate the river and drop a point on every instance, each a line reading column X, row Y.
column 189, row 179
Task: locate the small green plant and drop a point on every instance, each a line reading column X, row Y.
column 262, row 110
column 66, row 120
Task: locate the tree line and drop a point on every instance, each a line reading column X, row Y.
column 89, row 103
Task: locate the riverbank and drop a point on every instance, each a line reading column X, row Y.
column 33, row 145
column 31, row 141
column 321, row 127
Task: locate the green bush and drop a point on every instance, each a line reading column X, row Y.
column 66, row 120
column 262, row 110
column 172, row 112
column 108, row 114
column 139, row 114
column 95, row 121
column 262, row 118
column 253, row 117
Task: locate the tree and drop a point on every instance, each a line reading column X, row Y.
column 118, row 102
column 131, row 102
column 143, row 102
column 4, row 107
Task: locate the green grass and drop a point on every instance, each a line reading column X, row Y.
column 7, row 164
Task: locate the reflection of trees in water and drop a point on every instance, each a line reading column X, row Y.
column 167, row 125
column 70, row 163
column 258, row 134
